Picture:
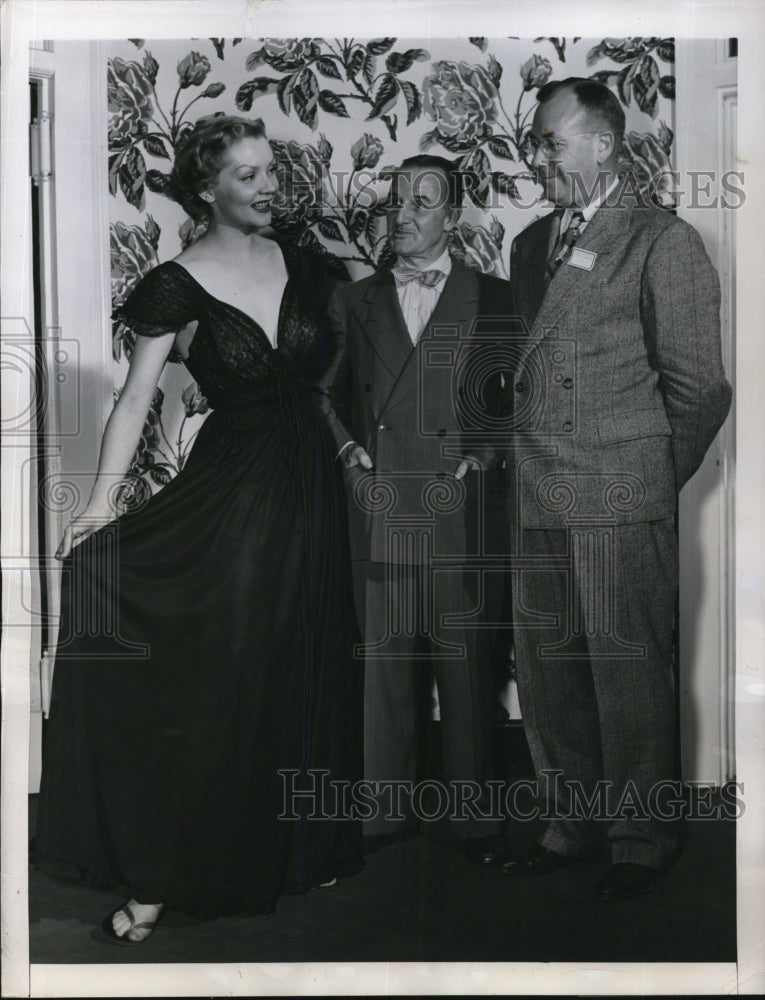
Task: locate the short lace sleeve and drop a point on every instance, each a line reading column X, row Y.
column 164, row 301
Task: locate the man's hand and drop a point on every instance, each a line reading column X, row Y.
column 355, row 455
column 469, row 462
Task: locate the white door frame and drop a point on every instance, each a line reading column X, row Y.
column 705, row 128
column 76, row 307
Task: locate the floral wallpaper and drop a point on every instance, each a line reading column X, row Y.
column 340, row 113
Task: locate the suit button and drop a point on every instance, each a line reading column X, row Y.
column 382, row 427
column 568, row 426
column 568, row 383
column 442, row 432
column 520, row 386
column 558, row 377
column 368, row 387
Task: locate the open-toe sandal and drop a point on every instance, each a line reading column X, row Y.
column 122, row 939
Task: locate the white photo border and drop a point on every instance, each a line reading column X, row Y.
column 25, row 20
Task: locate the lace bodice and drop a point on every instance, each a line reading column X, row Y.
column 230, row 355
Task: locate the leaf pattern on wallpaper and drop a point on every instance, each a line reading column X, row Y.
column 219, row 44
column 465, row 102
column 138, row 124
column 158, row 459
column 309, row 197
column 640, row 78
column 309, row 62
column 559, row 44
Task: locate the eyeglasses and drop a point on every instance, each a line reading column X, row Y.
column 548, row 144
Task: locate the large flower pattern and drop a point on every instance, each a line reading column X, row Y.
column 647, row 155
column 132, row 253
column 303, row 185
column 480, row 247
column 462, row 100
column 129, row 95
column 138, row 125
column 340, row 113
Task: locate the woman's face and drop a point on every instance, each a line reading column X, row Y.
column 242, row 193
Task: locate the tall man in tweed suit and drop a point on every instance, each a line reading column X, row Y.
column 414, row 494
column 620, row 394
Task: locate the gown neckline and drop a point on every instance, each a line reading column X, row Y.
column 229, row 305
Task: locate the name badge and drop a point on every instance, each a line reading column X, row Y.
column 585, row 259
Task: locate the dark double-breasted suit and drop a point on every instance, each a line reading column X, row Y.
column 619, row 394
column 412, row 523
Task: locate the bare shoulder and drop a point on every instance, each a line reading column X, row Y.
column 208, row 264
column 195, row 258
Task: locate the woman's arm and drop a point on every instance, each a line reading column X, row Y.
column 121, row 436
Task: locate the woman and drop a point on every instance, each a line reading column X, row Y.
column 229, row 657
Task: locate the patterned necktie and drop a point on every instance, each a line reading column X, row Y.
column 565, row 243
column 404, row 275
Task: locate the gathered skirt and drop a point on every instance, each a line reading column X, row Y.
column 204, row 673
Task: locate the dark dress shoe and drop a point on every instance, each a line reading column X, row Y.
column 625, row 880
column 484, row 850
column 539, row 861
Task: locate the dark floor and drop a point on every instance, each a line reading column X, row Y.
column 422, row 900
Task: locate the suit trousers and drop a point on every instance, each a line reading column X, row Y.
column 594, row 617
column 408, row 643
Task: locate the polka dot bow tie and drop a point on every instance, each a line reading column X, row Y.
column 404, row 275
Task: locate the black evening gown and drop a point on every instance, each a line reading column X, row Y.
column 207, row 639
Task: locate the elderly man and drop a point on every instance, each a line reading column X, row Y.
column 619, row 395
column 414, row 504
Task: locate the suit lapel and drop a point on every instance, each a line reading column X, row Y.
column 457, row 301
column 531, row 291
column 569, row 282
column 457, row 305
column 384, row 325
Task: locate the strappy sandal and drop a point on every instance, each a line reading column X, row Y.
column 122, row 939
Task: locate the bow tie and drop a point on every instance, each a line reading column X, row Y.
column 404, row 275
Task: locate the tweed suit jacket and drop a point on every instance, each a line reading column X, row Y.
column 401, row 405
column 620, row 389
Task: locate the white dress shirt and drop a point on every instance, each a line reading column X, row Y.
column 417, row 300
column 588, row 212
